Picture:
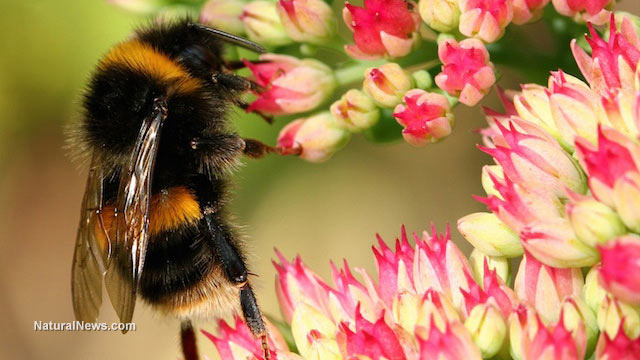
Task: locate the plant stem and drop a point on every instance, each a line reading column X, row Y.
column 355, row 72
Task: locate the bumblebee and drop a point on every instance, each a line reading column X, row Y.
column 153, row 221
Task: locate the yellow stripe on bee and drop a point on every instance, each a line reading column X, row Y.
column 170, row 209
column 142, row 57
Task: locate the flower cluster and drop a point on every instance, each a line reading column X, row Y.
column 443, row 43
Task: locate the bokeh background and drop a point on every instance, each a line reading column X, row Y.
column 323, row 212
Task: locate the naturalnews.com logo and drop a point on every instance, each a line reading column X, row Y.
column 81, row 326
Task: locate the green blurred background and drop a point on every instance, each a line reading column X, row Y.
column 321, row 211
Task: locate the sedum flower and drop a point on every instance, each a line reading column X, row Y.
column 224, row 15
column 310, row 21
column 467, row 72
column 544, row 287
column 426, row 117
column 617, row 347
column 620, row 259
column 612, row 62
column 493, row 291
column 440, row 15
column 355, row 111
column 485, row 19
column 290, row 85
column 381, row 28
column 451, row 343
column 593, row 222
column 614, row 315
column 575, row 314
column 386, row 84
column 315, row 138
column 626, row 199
column 593, row 11
column 554, row 342
column 488, row 329
column 262, row 24
column 488, row 234
column 500, row 265
column 314, row 333
column 374, row 340
column 593, row 292
column 525, row 11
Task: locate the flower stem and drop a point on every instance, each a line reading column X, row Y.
column 355, row 72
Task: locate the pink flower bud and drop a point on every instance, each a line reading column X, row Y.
column 594, row 222
column 440, row 15
column 614, row 315
column 290, row 85
column 224, row 15
column 314, row 333
column 347, row 294
column 555, row 244
column 426, row 117
column 355, row 111
column 452, row 343
column 594, row 11
column 466, row 71
column 523, row 325
column 535, row 161
column 626, row 198
column 493, row 291
column 621, row 259
column 487, row 328
column 394, row 268
column 238, row 343
column 525, row 11
column 575, row 314
column 612, row 63
column 262, row 25
column 382, row 28
column 485, row 19
column 555, row 343
column 310, row 21
column 296, row 283
column 386, row 84
column 545, row 287
column 615, row 156
column 373, row 340
column 315, row 138
column 618, row 347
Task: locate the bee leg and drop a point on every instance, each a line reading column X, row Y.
column 188, row 341
column 253, row 318
column 256, row 149
column 225, row 252
column 233, row 82
column 244, row 106
column 239, row 64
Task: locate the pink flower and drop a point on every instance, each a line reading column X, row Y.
column 612, row 63
column 290, row 85
column 525, row 11
column 466, row 70
column 594, row 11
column 619, row 347
column 451, row 343
column 620, row 259
column 296, row 283
column 485, row 19
column 376, row 340
column 307, row 20
column 381, row 28
column 555, row 343
column 544, row 287
column 615, row 156
column 493, row 291
column 426, row 117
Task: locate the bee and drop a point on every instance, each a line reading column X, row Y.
column 153, row 221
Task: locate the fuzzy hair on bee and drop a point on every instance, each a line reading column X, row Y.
column 153, row 222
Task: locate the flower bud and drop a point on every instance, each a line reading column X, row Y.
column 488, row 234
column 614, row 314
column 382, row 28
column 312, row 329
column 545, row 287
column 620, row 347
column 485, row 19
column 620, row 263
column 238, row 343
column 554, row 243
column 435, row 309
column 310, row 21
column 593, row 222
column 525, row 11
column 290, row 85
column 262, row 24
column 576, row 313
column 626, row 198
column 522, row 325
column 593, row 293
column 488, row 184
column 224, row 15
column 593, row 11
column 440, row 15
column 467, row 72
column 316, row 138
column 426, row 117
column 556, row 342
column 370, row 340
column 498, row 264
column 386, row 84
column 139, row 6
column 487, row 328
column 454, row 342
column 355, row 111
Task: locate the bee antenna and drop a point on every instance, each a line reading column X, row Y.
column 253, row 274
column 230, row 38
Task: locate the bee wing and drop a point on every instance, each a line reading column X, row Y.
column 132, row 218
column 89, row 258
